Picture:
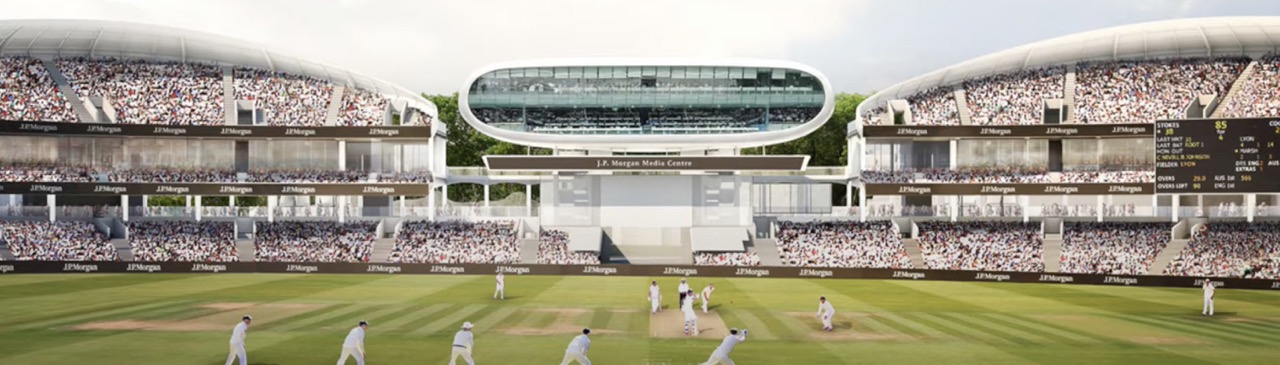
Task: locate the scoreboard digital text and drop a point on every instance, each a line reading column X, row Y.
column 1218, row 156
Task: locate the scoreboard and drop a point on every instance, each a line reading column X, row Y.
column 1218, row 156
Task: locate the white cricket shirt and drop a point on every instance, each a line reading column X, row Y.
column 237, row 334
column 355, row 338
column 729, row 342
column 463, row 338
column 579, row 344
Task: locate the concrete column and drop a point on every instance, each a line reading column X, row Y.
column 848, row 195
column 1155, row 205
column 124, row 207
column 955, row 148
column 1173, row 205
column 528, row 200
column 342, row 155
column 955, row 208
column 444, row 196
column 1250, row 206
column 342, row 209
column 1099, row 205
column 53, row 208
column 402, row 213
column 272, row 202
column 199, row 211
column 862, row 204
column 431, row 203
column 188, row 201
column 1026, row 208
column 486, row 200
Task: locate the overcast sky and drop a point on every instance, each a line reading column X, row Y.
column 432, row 45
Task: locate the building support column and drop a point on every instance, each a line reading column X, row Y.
column 53, row 208
column 1173, row 207
column 342, row 208
column 1025, row 202
column 1250, row 206
column 124, row 207
column 1099, row 207
column 199, row 209
column 487, row 213
column 431, row 203
column 272, row 202
column 528, row 200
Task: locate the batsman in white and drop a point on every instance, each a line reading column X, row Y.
column 354, row 344
column 706, row 296
column 462, row 344
column 721, row 355
column 237, row 341
column 826, row 312
column 577, row 350
column 655, row 298
column 1208, row 298
column 499, row 293
column 690, row 317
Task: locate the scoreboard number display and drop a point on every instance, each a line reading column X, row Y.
column 1217, row 156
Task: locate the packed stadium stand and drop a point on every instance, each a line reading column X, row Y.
column 1123, row 248
column 1226, row 249
column 314, row 241
column 1260, row 95
column 1144, row 91
column 58, row 241
column 456, row 242
column 165, row 240
column 998, row 246
column 286, row 99
column 27, row 93
column 841, row 244
column 1016, row 98
column 553, row 248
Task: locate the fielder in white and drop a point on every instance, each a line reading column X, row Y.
column 655, row 298
column 706, row 296
column 237, row 341
column 827, row 312
column 462, row 344
column 690, row 317
column 577, row 350
column 1208, row 298
column 354, row 344
column 499, row 293
column 721, row 355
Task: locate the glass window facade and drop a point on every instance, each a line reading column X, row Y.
column 646, row 99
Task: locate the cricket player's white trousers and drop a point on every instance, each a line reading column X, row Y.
column 499, row 293
column 571, row 356
column 654, row 304
column 237, row 351
column 351, row 351
column 826, row 321
column 463, row 352
column 719, row 359
column 1208, row 306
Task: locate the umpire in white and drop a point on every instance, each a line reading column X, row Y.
column 577, row 350
column 354, row 344
column 237, row 341
column 463, row 341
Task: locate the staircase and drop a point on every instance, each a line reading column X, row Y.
column 767, row 248
column 382, row 250
column 245, row 251
column 335, row 105
column 5, row 254
column 913, row 252
column 962, row 105
column 651, row 246
column 529, row 250
column 1166, row 256
column 123, row 249
column 64, row 87
column 1069, row 95
column 1235, row 87
column 229, row 94
column 1052, row 252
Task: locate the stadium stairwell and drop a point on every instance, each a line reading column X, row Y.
column 335, row 105
column 1166, row 256
column 245, row 251
column 1052, row 252
column 123, row 248
column 962, row 105
column 64, row 87
column 528, row 250
column 1069, row 94
column 767, row 249
column 913, row 252
column 5, row 254
column 229, row 94
column 1235, row 88
column 382, row 250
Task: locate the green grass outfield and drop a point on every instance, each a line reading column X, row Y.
column 302, row 319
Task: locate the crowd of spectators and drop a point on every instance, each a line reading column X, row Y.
column 1013, row 98
column 1258, row 96
column 1229, row 249
column 1141, row 176
column 183, row 241
column 1143, row 91
column 56, row 241
column 27, row 93
column 750, row 258
column 936, row 106
column 987, row 175
column 53, row 171
column 875, row 116
column 553, row 248
column 288, row 100
column 150, row 92
column 994, row 246
column 298, row 176
column 43, row 171
column 456, row 242
column 315, row 241
column 362, row 108
column 1005, row 175
column 841, row 244
column 1118, row 248
column 172, row 175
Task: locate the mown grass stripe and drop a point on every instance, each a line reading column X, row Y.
column 1256, row 326
column 959, row 330
column 906, row 320
column 620, row 321
column 600, row 317
column 639, row 323
column 491, row 320
column 393, row 317
column 750, row 321
column 329, row 308
column 321, row 318
column 1226, row 327
column 416, row 319
column 534, row 318
column 895, row 326
column 96, row 315
column 54, row 314
column 996, row 329
column 344, row 320
column 371, row 316
column 1190, row 329
column 875, row 326
column 449, row 321
column 1042, row 328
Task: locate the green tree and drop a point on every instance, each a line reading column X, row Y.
column 467, row 147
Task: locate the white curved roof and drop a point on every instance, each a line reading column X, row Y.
column 1195, row 37
column 95, row 38
column 648, row 142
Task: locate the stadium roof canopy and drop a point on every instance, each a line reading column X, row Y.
column 1180, row 38
column 95, row 38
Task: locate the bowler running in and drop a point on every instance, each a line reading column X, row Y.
column 463, row 341
column 353, row 346
column 721, row 355
column 237, row 341
column 577, row 350
column 706, row 296
column 1207, row 310
column 826, row 312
